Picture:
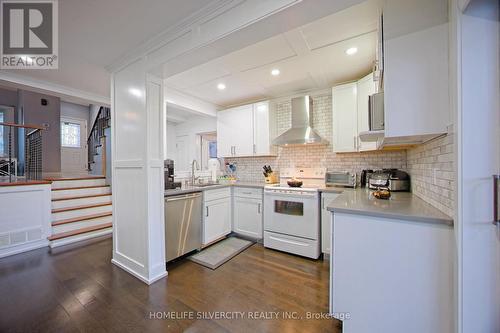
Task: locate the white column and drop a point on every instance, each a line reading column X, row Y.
column 137, row 181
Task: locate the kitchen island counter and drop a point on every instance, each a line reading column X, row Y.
column 194, row 189
column 401, row 205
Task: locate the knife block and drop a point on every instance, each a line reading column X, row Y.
column 272, row 178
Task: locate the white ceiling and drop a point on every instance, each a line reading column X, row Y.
column 310, row 57
column 94, row 33
column 177, row 114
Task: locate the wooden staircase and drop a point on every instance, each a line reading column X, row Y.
column 81, row 209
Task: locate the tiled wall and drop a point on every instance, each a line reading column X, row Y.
column 430, row 165
column 432, row 172
column 250, row 169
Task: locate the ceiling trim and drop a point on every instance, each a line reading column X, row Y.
column 190, row 25
column 56, row 89
column 169, row 34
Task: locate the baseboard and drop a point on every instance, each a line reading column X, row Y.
column 17, row 249
column 139, row 276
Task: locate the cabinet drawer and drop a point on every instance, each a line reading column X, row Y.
column 300, row 246
column 248, row 192
column 219, row 193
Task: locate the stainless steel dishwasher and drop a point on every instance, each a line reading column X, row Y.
column 183, row 224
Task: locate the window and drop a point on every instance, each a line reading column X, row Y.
column 70, row 135
column 2, row 142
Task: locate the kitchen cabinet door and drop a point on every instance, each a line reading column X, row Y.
column 366, row 87
column 345, row 127
column 216, row 220
column 248, row 217
column 326, row 221
column 262, row 144
column 235, row 131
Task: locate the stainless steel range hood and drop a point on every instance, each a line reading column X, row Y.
column 301, row 131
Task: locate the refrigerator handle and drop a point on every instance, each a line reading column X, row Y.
column 496, row 195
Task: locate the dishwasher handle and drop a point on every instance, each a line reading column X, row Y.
column 183, row 197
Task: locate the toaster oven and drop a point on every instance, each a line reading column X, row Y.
column 343, row 179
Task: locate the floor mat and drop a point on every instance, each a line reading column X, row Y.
column 217, row 254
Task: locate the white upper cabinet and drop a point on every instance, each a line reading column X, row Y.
column 416, row 90
column 366, row 87
column 345, row 127
column 350, row 115
column 244, row 131
column 261, row 128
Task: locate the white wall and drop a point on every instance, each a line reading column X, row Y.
column 72, row 110
column 193, row 126
column 170, row 144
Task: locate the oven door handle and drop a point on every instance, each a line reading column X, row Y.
column 286, row 195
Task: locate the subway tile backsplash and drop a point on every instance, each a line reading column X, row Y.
column 432, row 174
column 430, row 165
column 250, row 168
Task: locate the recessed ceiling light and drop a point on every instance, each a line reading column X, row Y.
column 351, row 51
column 275, row 72
column 221, row 86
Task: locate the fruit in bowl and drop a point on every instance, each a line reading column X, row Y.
column 294, row 182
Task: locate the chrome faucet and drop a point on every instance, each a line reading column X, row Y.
column 194, row 166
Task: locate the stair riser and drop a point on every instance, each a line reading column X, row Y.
column 81, row 224
column 80, row 212
column 79, row 238
column 80, row 202
column 78, row 183
column 80, row 192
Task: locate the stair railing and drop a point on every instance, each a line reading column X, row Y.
column 101, row 123
column 32, row 153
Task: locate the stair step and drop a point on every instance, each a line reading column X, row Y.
column 65, row 209
column 73, row 183
column 69, row 214
column 82, row 197
column 56, row 229
column 53, row 179
column 78, row 187
column 79, row 231
column 81, row 218
column 73, row 192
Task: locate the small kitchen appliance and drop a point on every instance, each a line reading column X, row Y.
column 365, row 176
column 394, row 180
column 341, row 179
column 169, row 175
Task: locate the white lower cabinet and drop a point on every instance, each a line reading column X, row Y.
column 326, row 222
column 247, row 213
column 216, row 215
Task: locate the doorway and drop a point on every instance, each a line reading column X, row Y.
column 73, row 146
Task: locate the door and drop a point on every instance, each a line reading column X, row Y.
column 248, row 217
column 74, row 145
column 366, row 87
column 217, row 221
column 344, row 103
column 326, row 221
column 478, row 159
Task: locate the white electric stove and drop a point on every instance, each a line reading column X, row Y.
column 292, row 214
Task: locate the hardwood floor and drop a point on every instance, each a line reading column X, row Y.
column 79, row 290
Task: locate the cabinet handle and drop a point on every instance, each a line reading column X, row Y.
column 258, row 208
column 207, row 211
column 254, row 149
column 496, row 217
column 355, row 143
column 322, row 203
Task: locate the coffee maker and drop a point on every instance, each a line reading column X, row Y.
column 169, row 175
